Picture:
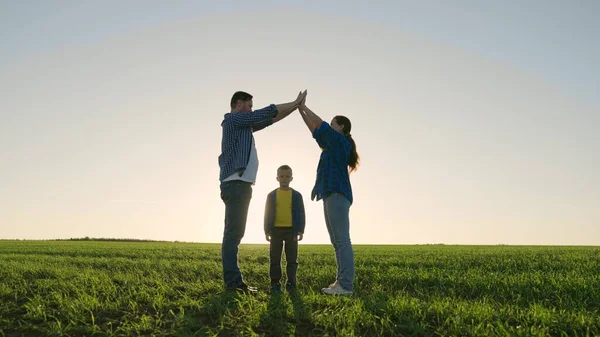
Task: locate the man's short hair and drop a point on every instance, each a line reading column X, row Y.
column 239, row 95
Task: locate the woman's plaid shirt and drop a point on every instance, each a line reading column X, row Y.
column 332, row 171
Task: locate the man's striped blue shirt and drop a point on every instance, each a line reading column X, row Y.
column 236, row 142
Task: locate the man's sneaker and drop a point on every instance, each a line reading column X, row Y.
column 245, row 289
column 337, row 290
column 275, row 288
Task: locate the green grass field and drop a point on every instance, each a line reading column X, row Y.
column 103, row 288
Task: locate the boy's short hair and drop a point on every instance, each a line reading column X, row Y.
column 284, row 167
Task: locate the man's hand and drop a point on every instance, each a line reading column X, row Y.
column 299, row 237
column 268, row 237
column 283, row 110
column 302, row 104
column 301, row 97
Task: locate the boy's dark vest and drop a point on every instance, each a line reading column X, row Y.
column 298, row 216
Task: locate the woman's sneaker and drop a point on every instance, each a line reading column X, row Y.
column 337, row 290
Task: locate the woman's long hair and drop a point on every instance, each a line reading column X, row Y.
column 354, row 160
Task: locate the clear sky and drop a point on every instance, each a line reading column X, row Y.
column 476, row 121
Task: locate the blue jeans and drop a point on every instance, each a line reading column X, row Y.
column 236, row 195
column 337, row 219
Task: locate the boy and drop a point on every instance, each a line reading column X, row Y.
column 284, row 223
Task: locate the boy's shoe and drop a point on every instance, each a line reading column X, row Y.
column 275, row 288
column 337, row 290
column 289, row 287
column 245, row 289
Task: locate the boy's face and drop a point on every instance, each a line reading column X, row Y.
column 284, row 177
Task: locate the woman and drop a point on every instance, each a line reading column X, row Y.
column 338, row 159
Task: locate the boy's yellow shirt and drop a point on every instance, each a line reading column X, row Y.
column 283, row 208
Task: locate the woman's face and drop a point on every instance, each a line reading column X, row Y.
column 336, row 126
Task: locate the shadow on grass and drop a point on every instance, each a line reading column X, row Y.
column 276, row 320
column 207, row 319
column 304, row 323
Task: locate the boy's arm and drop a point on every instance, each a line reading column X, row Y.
column 302, row 216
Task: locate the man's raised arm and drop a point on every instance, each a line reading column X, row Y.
column 286, row 109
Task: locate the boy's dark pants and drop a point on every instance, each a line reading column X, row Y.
column 279, row 236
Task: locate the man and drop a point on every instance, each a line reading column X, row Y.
column 238, row 164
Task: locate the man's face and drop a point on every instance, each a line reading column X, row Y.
column 284, row 177
column 244, row 106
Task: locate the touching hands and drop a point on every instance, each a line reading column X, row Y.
column 301, row 98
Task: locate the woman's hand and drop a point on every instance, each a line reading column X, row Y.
column 301, row 97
